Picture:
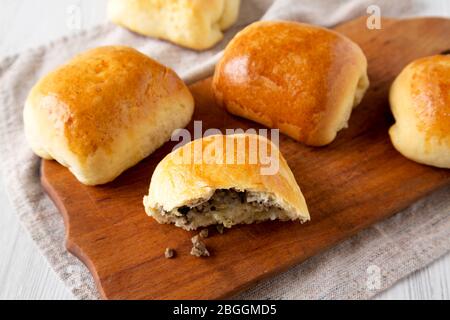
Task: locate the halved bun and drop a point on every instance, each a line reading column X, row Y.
column 192, row 192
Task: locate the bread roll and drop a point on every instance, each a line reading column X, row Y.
column 104, row 111
column 420, row 102
column 197, row 185
column 195, row 24
column 299, row 78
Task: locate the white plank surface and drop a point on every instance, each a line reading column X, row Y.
column 24, row 273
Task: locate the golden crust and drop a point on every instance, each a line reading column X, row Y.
column 195, row 24
column 430, row 95
column 420, row 102
column 179, row 180
column 97, row 99
column 299, row 78
column 91, row 106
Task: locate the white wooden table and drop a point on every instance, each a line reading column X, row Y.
column 24, row 273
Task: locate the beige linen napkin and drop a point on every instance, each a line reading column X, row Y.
column 357, row 268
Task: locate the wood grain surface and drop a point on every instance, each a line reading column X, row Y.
column 357, row 180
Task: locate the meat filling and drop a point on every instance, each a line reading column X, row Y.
column 227, row 207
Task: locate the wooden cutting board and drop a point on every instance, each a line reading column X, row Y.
column 356, row 181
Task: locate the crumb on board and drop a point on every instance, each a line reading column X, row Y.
column 198, row 247
column 169, row 253
column 219, row 228
column 204, row 233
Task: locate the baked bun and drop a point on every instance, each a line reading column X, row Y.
column 420, row 102
column 198, row 185
column 104, row 111
column 195, row 24
column 299, row 78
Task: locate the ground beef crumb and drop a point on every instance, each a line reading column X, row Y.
column 219, row 228
column 169, row 253
column 198, row 247
column 204, row 233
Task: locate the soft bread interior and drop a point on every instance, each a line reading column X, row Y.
column 227, row 207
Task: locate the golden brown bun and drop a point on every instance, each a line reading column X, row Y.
column 104, row 111
column 179, row 181
column 420, row 102
column 299, row 78
column 196, row 24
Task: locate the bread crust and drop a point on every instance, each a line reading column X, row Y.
column 104, row 111
column 177, row 182
column 195, row 24
column 420, row 103
column 299, row 78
